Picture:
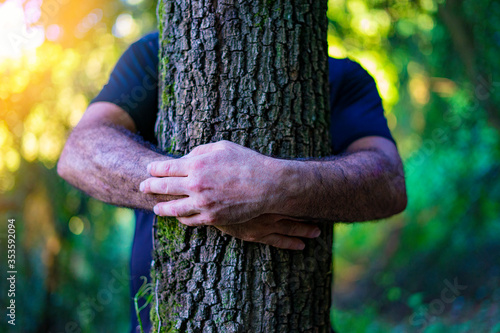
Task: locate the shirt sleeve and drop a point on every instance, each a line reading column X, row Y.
column 355, row 104
column 133, row 85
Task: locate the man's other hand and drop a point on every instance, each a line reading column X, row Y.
column 275, row 230
column 224, row 183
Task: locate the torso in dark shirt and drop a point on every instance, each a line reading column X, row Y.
column 355, row 112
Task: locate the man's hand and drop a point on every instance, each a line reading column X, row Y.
column 224, row 183
column 275, row 230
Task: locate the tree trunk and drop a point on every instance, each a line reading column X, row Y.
column 255, row 73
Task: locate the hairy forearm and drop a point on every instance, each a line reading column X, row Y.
column 364, row 185
column 109, row 164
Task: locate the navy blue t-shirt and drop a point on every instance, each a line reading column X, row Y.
column 355, row 105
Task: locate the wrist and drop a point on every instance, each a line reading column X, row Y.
column 289, row 183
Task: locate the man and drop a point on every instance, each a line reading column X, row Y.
column 241, row 192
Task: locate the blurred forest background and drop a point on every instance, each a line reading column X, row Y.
column 436, row 67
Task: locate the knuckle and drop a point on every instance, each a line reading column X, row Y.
column 224, row 144
column 163, row 186
column 202, row 202
column 198, row 164
column 172, row 211
column 294, row 228
column 205, row 202
column 156, row 168
column 278, row 243
column 195, row 185
column 166, row 167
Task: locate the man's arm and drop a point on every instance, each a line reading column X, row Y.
column 101, row 159
column 106, row 162
column 366, row 183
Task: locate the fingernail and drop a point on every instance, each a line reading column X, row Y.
column 316, row 233
column 141, row 187
column 156, row 210
column 301, row 246
column 149, row 168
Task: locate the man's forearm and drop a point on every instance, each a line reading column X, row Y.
column 364, row 185
column 109, row 165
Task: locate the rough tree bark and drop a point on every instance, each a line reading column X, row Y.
column 255, row 73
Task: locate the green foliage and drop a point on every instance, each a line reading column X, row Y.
column 369, row 320
column 72, row 251
column 445, row 120
column 146, row 291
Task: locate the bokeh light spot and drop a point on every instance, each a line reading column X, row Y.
column 53, row 32
column 134, row 2
column 53, row 245
column 76, row 225
column 29, row 146
column 124, row 26
column 12, row 160
column 419, row 89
